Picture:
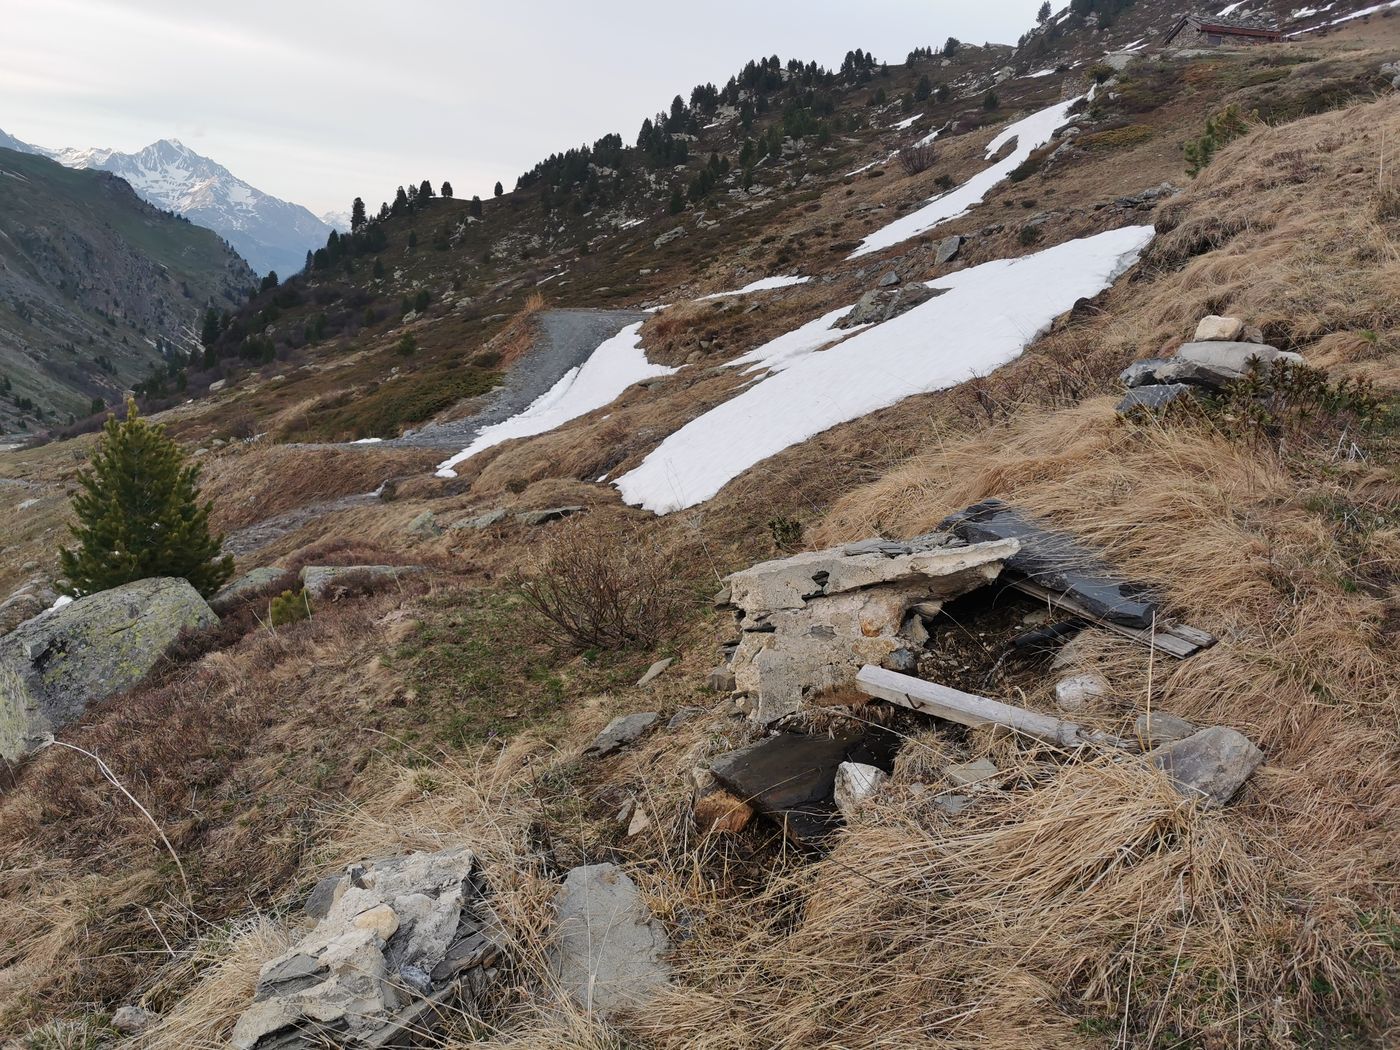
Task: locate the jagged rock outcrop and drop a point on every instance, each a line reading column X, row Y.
column 53, row 667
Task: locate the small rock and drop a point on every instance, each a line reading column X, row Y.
column 946, row 250
column 1251, row 334
column 217, row 385
column 965, row 774
column 1161, row 728
column 654, row 671
column 639, row 822
column 901, row 660
column 544, row 517
column 720, row 679
column 952, row 804
column 1213, row 762
column 669, row 236
column 607, row 947
column 415, row 979
column 1079, row 691
column 720, row 811
column 889, row 280
column 621, row 731
column 482, row 521
column 684, row 715
column 883, row 304
column 425, row 525
column 130, row 1020
column 380, row 920
column 1214, row 328
column 1152, row 398
column 856, row 782
column 323, row 895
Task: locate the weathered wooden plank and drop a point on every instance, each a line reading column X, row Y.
column 968, row 709
column 1178, row 640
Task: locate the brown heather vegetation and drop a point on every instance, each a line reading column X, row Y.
column 1080, row 903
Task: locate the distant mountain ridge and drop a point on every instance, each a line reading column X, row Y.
column 271, row 234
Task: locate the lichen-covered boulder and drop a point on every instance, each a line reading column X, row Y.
column 52, row 667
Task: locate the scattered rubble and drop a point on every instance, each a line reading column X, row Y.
column 402, row 942
column 809, row 621
column 607, row 950
column 621, row 731
column 54, row 666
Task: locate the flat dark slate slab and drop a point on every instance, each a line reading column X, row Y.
column 1056, row 562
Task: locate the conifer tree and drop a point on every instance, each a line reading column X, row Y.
column 1043, row 15
column 139, row 514
column 499, row 189
column 447, row 189
column 357, row 215
column 474, row 208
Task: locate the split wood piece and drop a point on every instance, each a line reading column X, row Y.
column 967, row 709
column 1174, row 639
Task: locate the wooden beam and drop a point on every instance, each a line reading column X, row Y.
column 968, row 709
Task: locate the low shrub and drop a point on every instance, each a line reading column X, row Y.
column 601, row 587
column 289, row 607
column 1221, row 129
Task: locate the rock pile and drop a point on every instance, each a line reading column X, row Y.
column 807, row 623
column 53, row 667
column 398, row 942
column 1223, row 351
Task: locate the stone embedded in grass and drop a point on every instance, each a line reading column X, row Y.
column 1213, row 763
column 655, row 670
column 1153, row 398
column 425, row 525
column 965, row 774
column 1079, row 691
column 621, row 731
column 248, row 582
column 855, row 783
column 481, row 521
column 1232, row 360
column 322, row 580
column 1158, row 727
column 544, row 517
column 1214, row 328
column 54, row 666
column 607, row 946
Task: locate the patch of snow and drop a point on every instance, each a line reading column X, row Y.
column 906, row 123
column 630, row 223
column 1347, row 18
column 790, row 347
column 26, row 504
column 763, row 285
column 366, row 441
column 1029, row 133
column 873, row 163
column 63, row 599
column 1040, row 73
column 1231, row 9
column 985, row 318
column 612, row 368
column 1134, row 46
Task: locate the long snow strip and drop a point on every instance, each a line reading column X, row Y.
column 612, row 368
column 985, row 317
column 762, row 285
column 1030, row 134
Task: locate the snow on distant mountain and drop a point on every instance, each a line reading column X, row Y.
column 337, row 220
column 271, row 234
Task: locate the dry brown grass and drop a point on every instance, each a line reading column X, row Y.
column 518, row 336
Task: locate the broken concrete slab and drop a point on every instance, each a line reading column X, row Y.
column 1159, row 727
column 607, row 951
column 1056, row 562
column 403, row 938
column 655, row 670
column 621, row 731
column 808, row 622
column 544, row 517
column 1212, row 763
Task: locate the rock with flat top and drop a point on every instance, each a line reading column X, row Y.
column 621, row 731
column 1159, row 727
column 1232, row 359
column 479, row 522
column 54, row 666
column 1212, row 763
column 1214, row 328
column 965, row 774
column 607, row 950
column 946, row 250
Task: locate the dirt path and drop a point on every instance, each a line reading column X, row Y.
column 567, row 338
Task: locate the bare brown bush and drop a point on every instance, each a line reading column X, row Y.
column 601, row 587
column 916, row 159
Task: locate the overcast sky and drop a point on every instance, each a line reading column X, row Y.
column 317, row 101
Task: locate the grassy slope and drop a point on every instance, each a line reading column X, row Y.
column 1079, row 904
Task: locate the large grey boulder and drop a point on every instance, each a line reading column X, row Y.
column 400, row 943
column 1232, row 359
column 882, row 304
column 607, row 947
column 53, row 667
column 1213, row 763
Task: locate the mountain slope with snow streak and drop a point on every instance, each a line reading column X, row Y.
column 1029, row 134
column 985, row 317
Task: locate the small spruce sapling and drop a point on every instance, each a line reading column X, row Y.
column 139, row 515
